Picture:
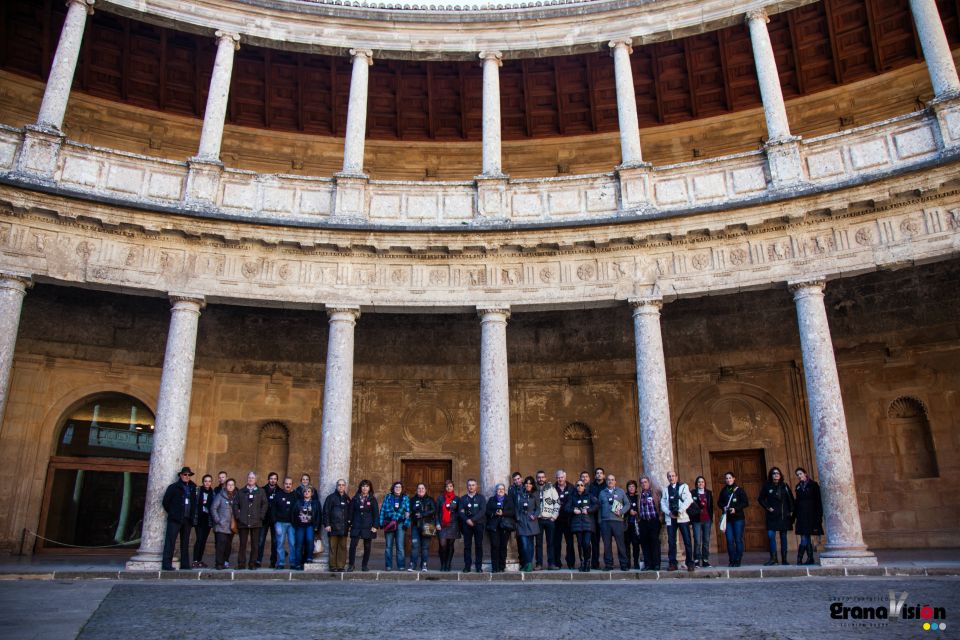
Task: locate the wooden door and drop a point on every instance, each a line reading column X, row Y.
column 433, row 473
column 749, row 466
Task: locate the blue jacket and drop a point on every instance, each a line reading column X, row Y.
column 395, row 508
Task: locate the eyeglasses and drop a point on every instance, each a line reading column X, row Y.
column 580, row 484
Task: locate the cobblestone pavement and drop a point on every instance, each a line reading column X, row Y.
column 770, row 608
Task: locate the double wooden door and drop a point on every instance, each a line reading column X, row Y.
column 749, row 466
column 433, row 473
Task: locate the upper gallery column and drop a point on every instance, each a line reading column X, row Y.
column 337, row 418
column 936, row 49
column 13, row 288
column 626, row 103
column 656, row 435
column 57, row 92
column 492, row 163
column 211, row 137
column 494, row 397
column 834, row 464
column 778, row 128
column 173, row 418
column 357, row 112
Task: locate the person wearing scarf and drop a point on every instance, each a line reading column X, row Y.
column 448, row 529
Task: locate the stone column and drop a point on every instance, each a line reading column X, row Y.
column 773, row 108
column 492, row 166
column 170, row 432
column 936, row 49
column 841, row 514
column 357, row 112
column 656, row 434
column 626, row 103
column 57, row 92
column 211, row 136
column 13, row 288
column 494, row 398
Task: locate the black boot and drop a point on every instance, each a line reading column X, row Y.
column 800, row 551
column 772, row 561
column 783, row 557
column 810, row 559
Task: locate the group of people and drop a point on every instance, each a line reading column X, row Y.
column 540, row 515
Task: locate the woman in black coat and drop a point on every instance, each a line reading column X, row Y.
column 201, row 519
column 701, row 519
column 365, row 514
column 809, row 513
column 501, row 522
column 777, row 501
column 582, row 506
column 423, row 511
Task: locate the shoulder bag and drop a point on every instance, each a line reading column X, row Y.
column 723, row 518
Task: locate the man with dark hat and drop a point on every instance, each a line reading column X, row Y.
column 179, row 502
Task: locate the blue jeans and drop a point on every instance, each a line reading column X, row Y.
column 303, row 536
column 772, row 539
column 735, row 540
column 701, row 540
column 684, row 528
column 284, row 531
column 526, row 549
column 805, row 540
column 395, row 541
column 419, row 548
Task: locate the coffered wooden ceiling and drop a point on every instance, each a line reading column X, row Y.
column 817, row 47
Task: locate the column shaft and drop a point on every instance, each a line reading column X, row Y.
column 626, row 103
column 170, row 431
column 57, row 92
column 778, row 128
column 337, row 418
column 215, row 115
column 357, row 112
column 494, row 398
column 492, row 163
column 13, row 288
column 656, row 434
column 936, row 49
column 834, row 464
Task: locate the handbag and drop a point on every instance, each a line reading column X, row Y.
column 390, row 526
column 428, row 529
column 723, row 518
column 233, row 526
column 318, row 546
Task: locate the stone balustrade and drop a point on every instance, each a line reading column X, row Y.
column 828, row 162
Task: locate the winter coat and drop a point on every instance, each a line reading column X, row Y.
column 580, row 521
column 549, row 502
column 738, row 501
column 283, row 506
column 221, row 512
column 306, row 513
column 508, row 516
column 364, row 516
column 528, row 508
column 808, row 509
column 336, row 513
column 178, row 501
column 608, row 499
column 777, row 497
column 395, row 507
column 422, row 509
column 271, row 493
column 474, row 509
column 250, row 507
column 694, row 509
column 202, row 506
column 563, row 496
column 685, row 500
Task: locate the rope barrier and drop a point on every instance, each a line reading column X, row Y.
column 80, row 546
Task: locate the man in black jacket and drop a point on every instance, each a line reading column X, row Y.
column 562, row 532
column 599, row 484
column 179, row 501
column 336, row 517
column 270, row 490
column 472, row 514
column 282, row 509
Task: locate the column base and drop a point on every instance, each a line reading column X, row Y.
column 203, row 182
column 39, row 152
column 319, row 565
column 148, row 562
column 784, row 162
column 493, row 204
column 848, row 556
column 350, row 196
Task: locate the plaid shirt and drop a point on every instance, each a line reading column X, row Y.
column 648, row 506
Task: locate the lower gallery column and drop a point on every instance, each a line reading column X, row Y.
column 170, row 432
column 841, row 513
column 13, row 288
column 494, row 397
column 337, row 418
column 656, row 436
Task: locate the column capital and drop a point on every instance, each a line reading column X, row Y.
column 801, row 288
column 650, row 304
column 621, row 42
column 15, row 281
column 493, row 312
column 228, row 36
column 86, row 4
column 187, row 302
column 367, row 54
column 756, row 14
column 496, row 56
column 343, row 312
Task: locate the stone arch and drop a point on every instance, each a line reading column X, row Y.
column 908, row 428
column 273, row 450
column 577, row 448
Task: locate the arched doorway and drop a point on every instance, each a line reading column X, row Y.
column 97, row 480
column 577, row 448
